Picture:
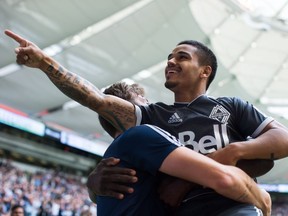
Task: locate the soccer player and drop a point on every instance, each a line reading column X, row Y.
column 222, row 122
column 149, row 149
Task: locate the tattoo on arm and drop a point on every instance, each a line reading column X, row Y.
column 272, row 157
column 116, row 123
column 70, row 84
column 68, row 75
column 85, row 87
column 50, row 68
column 88, row 95
column 119, row 117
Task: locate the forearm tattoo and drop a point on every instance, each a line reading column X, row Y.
column 116, row 122
column 71, row 84
column 88, row 95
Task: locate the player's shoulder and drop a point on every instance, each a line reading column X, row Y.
column 229, row 103
column 226, row 99
column 161, row 104
column 158, row 105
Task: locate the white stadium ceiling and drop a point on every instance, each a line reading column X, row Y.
column 108, row 41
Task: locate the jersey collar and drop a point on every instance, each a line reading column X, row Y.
column 181, row 104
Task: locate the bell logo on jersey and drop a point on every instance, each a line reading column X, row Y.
column 220, row 113
column 207, row 144
column 175, row 118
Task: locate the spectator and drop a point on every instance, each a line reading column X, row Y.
column 43, row 190
column 17, row 210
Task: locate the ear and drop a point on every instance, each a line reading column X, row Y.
column 206, row 71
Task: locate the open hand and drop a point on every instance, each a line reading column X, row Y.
column 109, row 180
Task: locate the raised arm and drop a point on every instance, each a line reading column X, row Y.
column 119, row 112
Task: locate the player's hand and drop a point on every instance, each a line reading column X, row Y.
column 253, row 167
column 224, row 156
column 266, row 208
column 27, row 53
column 109, row 180
column 172, row 190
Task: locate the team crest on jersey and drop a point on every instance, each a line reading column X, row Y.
column 220, row 113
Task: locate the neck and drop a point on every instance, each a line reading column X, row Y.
column 117, row 133
column 187, row 96
column 187, row 92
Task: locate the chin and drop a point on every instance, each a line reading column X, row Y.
column 170, row 85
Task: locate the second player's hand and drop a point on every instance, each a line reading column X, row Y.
column 109, row 180
column 253, row 167
column 172, row 190
column 28, row 53
column 227, row 155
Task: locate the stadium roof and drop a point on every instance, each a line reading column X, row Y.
column 109, row 41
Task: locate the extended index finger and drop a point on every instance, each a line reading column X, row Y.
column 16, row 37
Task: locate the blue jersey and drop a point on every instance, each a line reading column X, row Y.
column 142, row 148
column 206, row 124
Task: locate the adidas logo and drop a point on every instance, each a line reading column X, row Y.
column 174, row 118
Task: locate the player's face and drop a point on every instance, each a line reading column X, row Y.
column 182, row 70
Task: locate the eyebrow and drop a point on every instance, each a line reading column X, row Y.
column 182, row 52
column 178, row 53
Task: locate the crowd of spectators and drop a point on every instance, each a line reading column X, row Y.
column 52, row 193
column 280, row 209
column 43, row 192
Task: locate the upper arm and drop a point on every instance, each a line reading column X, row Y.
column 273, row 140
column 274, row 125
column 120, row 113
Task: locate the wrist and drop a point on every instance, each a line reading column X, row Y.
column 234, row 150
column 46, row 63
column 92, row 195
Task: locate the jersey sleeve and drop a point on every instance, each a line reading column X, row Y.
column 250, row 121
column 146, row 114
column 138, row 114
column 146, row 147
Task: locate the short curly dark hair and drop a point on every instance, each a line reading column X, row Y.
column 205, row 56
column 16, row 206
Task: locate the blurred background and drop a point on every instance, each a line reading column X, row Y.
column 109, row 41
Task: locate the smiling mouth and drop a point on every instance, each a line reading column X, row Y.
column 170, row 72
